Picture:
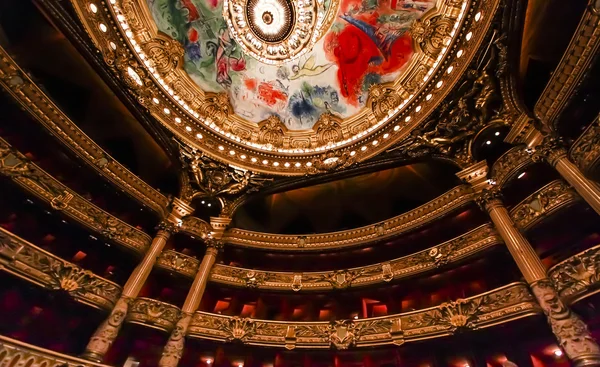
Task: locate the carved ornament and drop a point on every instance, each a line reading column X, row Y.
column 578, row 276
column 500, row 305
column 154, row 313
column 42, row 268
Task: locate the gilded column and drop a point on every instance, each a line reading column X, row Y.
column 174, row 347
column 571, row 332
column 107, row 332
column 553, row 151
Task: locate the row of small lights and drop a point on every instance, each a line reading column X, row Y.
column 208, row 122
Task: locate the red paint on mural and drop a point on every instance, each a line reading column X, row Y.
column 193, row 12
column 269, row 95
column 357, row 54
column 250, row 84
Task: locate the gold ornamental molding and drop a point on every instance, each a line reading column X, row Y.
column 543, row 203
column 32, row 99
column 585, row 152
column 511, row 302
column 433, row 210
column 31, row 263
column 150, row 64
column 178, row 263
column 578, row 277
column 573, row 66
column 15, row 353
column 153, row 313
column 432, row 258
column 511, row 164
column 36, row 181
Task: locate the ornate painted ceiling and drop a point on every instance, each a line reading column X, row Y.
column 286, row 87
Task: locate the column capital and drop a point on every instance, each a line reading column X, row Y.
column 489, row 198
column 167, row 226
column 552, row 149
column 475, row 175
column 213, row 245
column 219, row 224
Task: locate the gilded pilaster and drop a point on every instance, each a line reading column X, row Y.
column 553, row 151
column 174, row 348
column 570, row 331
column 105, row 335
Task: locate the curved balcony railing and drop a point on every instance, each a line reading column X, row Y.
column 543, row 203
column 153, row 313
column 32, row 178
column 177, row 262
column 585, row 152
column 14, row 353
column 451, row 251
column 19, row 85
column 40, row 267
column 510, row 165
column 501, row 305
column 433, row 210
column 578, row 277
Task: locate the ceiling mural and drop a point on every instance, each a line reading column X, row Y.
column 366, row 43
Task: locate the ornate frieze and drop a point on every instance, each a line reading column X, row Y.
column 585, row 152
column 196, row 227
column 16, row 353
column 41, row 108
column 456, row 249
column 178, row 263
column 153, row 313
column 511, row 164
column 578, row 276
column 29, row 176
column 542, row 203
column 572, row 68
column 500, row 305
column 35, row 265
column 435, row 209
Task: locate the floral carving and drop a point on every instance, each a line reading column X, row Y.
column 216, row 107
column 153, row 312
column 578, row 274
column 329, row 129
column 271, row 132
column 178, row 262
column 165, row 53
column 572, row 333
column 238, row 328
column 332, row 160
column 585, row 152
column 432, row 34
column 55, row 273
column 544, row 201
column 383, row 99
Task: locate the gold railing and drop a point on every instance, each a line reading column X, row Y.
column 435, row 209
column 543, row 203
column 14, row 353
column 578, row 277
column 451, row 251
column 572, row 67
column 510, row 164
column 40, row 267
column 585, row 152
column 32, row 178
column 153, row 313
column 32, row 99
column 504, row 304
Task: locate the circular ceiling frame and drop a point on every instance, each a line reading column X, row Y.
column 150, row 64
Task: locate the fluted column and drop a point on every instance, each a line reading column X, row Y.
column 174, row 347
column 107, row 332
column 553, row 151
column 571, row 332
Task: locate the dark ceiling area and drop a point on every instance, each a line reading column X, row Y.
column 348, row 203
column 79, row 91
